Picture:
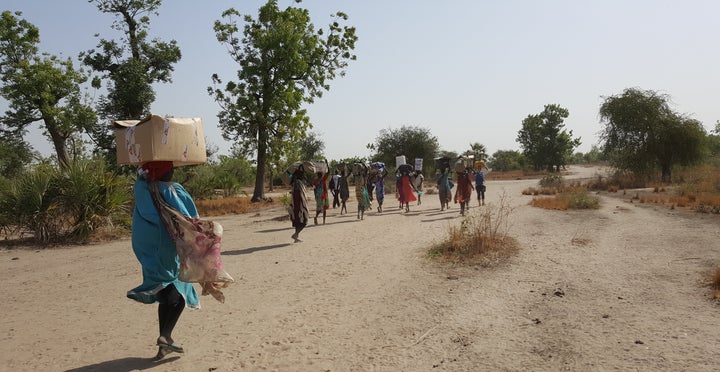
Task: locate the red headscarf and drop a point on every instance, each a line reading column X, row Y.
column 154, row 170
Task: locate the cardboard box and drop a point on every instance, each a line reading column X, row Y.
column 180, row 140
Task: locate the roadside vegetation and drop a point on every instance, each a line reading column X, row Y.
column 481, row 238
column 559, row 196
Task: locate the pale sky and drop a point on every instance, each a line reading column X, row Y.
column 469, row 71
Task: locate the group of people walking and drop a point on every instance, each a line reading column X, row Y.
column 463, row 193
column 370, row 185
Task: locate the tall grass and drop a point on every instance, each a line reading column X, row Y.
column 482, row 237
column 70, row 204
column 29, row 204
column 90, row 196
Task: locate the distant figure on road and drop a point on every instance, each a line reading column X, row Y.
column 298, row 203
column 480, row 186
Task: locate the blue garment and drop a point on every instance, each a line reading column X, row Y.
column 154, row 247
column 479, row 179
column 380, row 190
column 444, row 185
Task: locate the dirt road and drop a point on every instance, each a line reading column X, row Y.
column 619, row 288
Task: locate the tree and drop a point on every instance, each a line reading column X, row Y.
column 507, row 160
column 15, row 154
column 544, row 141
column 39, row 87
column 447, row 154
column 130, row 66
column 478, row 150
column 713, row 142
column 413, row 142
column 311, row 147
column 642, row 133
column 593, row 156
column 284, row 63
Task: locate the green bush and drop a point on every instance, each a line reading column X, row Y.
column 552, row 181
column 580, row 198
column 198, row 180
column 91, row 195
column 30, row 204
column 58, row 204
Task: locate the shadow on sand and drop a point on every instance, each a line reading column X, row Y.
column 125, row 365
column 254, row 249
column 440, row 219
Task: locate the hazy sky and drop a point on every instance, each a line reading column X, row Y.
column 469, row 71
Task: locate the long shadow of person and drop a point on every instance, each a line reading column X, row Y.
column 125, row 365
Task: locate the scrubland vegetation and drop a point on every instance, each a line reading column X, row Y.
column 482, row 237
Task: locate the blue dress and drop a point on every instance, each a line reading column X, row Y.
column 154, row 247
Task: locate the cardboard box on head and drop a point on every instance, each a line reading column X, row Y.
column 156, row 138
column 400, row 160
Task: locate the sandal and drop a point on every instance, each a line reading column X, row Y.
column 170, row 348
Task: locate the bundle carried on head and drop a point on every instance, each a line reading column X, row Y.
column 378, row 166
column 463, row 163
column 442, row 164
column 358, row 169
column 311, row 170
column 405, row 169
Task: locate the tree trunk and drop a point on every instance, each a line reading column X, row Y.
column 666, row 173
column 59, row 141
column 271, row 189
column 259, row 192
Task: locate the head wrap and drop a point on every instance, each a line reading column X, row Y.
column 154, row 170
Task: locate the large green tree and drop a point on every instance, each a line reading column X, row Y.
column 412, row 141
column 284, row 63
column 507, row 160
column 39, row 87
column 643, row 134
column 129, row 66
column 544, row 142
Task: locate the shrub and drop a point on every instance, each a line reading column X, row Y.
column 90, row 196
column 198, row 180
column 579, row 198
column 570, row 198
column 481, row 237
column 57, row 204
column 552, row 181
column 30, row 204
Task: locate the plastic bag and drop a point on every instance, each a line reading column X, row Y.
column 198, row 246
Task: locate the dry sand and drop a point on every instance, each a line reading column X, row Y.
column 619, row 288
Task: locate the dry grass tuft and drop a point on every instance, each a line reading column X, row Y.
column 580, row 238
column 481, row 239
column 573, row 197
column 552, row 203
column 237, row 205
column 714, row 283
column 540, row 191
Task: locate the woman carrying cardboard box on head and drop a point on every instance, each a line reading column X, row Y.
column 157, row 253
column 174, row 247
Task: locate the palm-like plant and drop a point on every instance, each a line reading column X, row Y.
column 479, row 150
column 91, row 195
column 30, row 203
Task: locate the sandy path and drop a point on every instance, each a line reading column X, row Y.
column 612, row 289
